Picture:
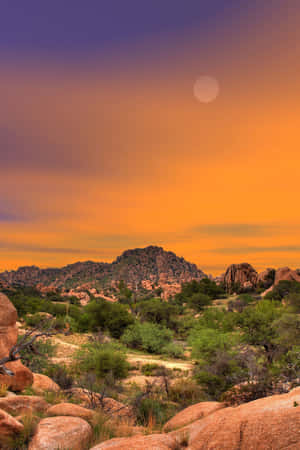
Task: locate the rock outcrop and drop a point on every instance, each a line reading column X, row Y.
column 9, row 427
column 286, row 274
column 191, row 414
column 54, row 433
column 151, row 442
column 70, row 409
column 150, row 267
column 23, row 404
column 266, row 278
column 270, row 423
column 8, row 338
column 108, row 405
column 42, row 383
column 242, row 275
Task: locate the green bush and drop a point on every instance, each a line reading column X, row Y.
column 39, row 359
column 61, row 375
column 205, row 286
column 147, row 336
column 103, row 359
column 157, row 311
column 103, row 315
column 198, row 301
column 150, row 369
column 283, row 289
column 173, row 350
column 186, row 392
column 153, row 411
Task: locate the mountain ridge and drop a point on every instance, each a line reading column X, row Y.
column 140, row 268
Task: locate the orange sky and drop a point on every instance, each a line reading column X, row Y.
column 101, row 158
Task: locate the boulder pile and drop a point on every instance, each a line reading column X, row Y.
column 8, row 338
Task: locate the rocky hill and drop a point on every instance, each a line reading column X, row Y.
column 142, row 268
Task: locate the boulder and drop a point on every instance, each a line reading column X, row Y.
column 69, row 409
column 61, row 432
column 9, row 427
column 23, row 404
column 151, row 442
column 191, row 414
column 285, row 273
column 8, row 338
column 242, row 275
column 42, row 383
column 266, row 278
column 21, row 379
column 108, row 405
column 270, row 423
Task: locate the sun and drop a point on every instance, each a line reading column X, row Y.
column 206, row 89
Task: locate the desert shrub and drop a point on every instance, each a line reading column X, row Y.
column 198, row 301
column 205, row 286
column 247, row 392
column 185, row 392
column 102, row 359
column 27, row 301
column 61, row 375
column 283, row 289
column 157, row 311
column 216, row 318
column 150, row 369
column 147, row 336
column 173, row 350
column 35, row 320
column 240, row 303
column 3, row 390
column 153, row 411
column 102, row 315
column 21, row 441
column 38, row 360
column 256, row 325
column 185, row 324
column 103, row 429
column 293, row 300
column 219, row 362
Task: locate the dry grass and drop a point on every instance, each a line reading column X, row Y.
column 3, row 390
column 105, row 428
column 21, row 441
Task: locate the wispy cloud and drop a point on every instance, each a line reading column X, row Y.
column 234, row 229
column 245, row 250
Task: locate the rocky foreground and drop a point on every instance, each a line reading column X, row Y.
column 267, row 423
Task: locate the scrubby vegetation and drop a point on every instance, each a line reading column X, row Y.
column 240, row 347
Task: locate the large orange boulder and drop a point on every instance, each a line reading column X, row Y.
column 61, row 432
column 23, row 404
column 8, row 338
column 42, row 383
column 9, row 427
column 242, row 275
column 69, row 409
column 271, row 423
column 285, row 273
column 93, row 399
column 191, row 414
column 151, row 442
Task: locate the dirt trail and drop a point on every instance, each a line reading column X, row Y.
column 145, row 359
column 65, row 351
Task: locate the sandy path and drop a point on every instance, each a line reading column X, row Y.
column 65, row 351
column 145, row 359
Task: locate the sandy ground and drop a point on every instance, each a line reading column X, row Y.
column 65, row 351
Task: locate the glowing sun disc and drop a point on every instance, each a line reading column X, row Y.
column 206, row 89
